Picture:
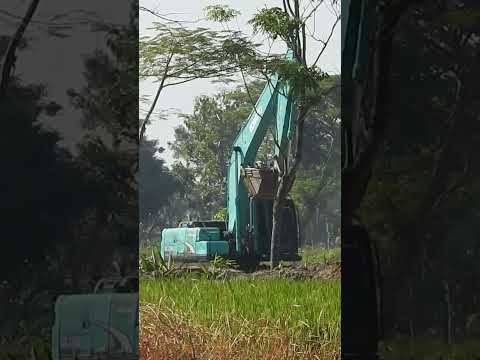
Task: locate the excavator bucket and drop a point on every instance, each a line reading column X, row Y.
column 260, row 183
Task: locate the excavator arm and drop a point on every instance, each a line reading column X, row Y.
column 274, row 109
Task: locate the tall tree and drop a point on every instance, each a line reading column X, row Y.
column 317, row 187
column 111, row 160
column 175, row 55
column 422, row 176
column 402, row 171
column 289, row 23
column 204, row 141
column 365, row 80
column 40, row 199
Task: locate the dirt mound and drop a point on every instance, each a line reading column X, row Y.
column 294, row 272
column 331, row 271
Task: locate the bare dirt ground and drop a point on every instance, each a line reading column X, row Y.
column 297, row 272
column 293, row 271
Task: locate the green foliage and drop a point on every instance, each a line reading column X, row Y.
column 304, row 80
column 109, row 98
column 44, row 193
column 157, row 186
column 107, row 103
column 175, row 54
column 221, row 13
column 318, row 181
column 154, row 265
column 318, row 256
column 216, row 269
column 424, row 186
column 275, row 23
column 220, row 214
column 35, row 150
column 204, row 141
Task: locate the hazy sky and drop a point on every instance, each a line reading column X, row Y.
column 58, row 62
column 181, row 98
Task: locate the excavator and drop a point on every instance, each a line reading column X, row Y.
column 100, row 325
column 245, row 236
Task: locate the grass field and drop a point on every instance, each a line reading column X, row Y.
column 240, row 319
column 310, row 256
column 315, row 256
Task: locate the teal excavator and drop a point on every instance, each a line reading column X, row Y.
column 246, row 233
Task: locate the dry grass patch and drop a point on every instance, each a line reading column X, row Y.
column 165, row 335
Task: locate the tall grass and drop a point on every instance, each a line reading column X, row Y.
column 250, row 317
column 316, row 256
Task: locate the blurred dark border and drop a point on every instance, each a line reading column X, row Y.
column 69, row 150
column 410, row 180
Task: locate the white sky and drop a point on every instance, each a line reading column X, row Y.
column 181, row 98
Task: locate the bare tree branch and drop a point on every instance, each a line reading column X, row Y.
column 157, row 95
column 325, row 44
column 165, row 18
column 10, row 58
column 290, row 10
column 312, row 13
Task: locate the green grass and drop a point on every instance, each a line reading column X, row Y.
column 315, row 256
column 430, row 350
column 306, row 310
column 310, row 255
column 145, row 250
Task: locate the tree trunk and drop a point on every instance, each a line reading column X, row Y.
column 411, row 328
column 285, row 182
column 143, row 125
column 273, row 242
column 365, row 119
column 328, row 233
column 10, row 58
column 448, row 302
